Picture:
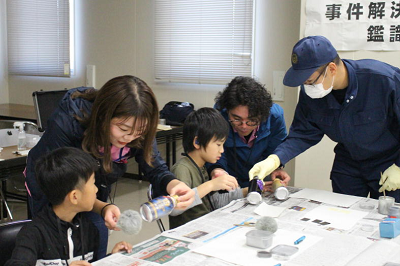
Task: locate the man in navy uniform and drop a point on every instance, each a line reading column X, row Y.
column 356, row 103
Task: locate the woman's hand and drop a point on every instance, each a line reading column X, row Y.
column 111, row 216
column 109, row 212
column 185, row 193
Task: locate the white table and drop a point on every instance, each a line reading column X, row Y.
column 334, row 236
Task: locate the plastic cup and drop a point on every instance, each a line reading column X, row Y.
column 385, row 202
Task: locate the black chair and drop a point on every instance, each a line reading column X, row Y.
column 150, row 197
column 8, row 236
column 45, row 103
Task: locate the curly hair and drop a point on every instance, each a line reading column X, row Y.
column 248, row 92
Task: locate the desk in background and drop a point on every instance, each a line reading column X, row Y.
column 11, row 111
column 169, row 138
column 10, row 165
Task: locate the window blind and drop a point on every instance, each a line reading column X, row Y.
column 38, row 34
column 203, row 41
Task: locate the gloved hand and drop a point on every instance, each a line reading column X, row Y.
column 264, row 168
column 390, row 179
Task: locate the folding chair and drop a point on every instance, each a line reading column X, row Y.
column 150, row 197
column 45, row 103
column 4, row 203
column 8, row 236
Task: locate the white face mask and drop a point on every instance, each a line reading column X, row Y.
column 317, row 90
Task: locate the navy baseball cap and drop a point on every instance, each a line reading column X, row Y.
column 308, row 55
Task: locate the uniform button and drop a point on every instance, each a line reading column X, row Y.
column 348, row 101
column 351, row 97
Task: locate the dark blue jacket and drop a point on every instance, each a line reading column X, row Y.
column 64, row 130
column 47, row 239
column 238, row 161
column 366, row 126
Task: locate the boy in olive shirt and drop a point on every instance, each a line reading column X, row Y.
column 204, row 134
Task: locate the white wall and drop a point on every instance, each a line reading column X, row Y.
column 276, row 31
column 117, row 37
column 3, row 54
column 313, row 166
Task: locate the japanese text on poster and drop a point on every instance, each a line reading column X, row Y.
column 355, row 24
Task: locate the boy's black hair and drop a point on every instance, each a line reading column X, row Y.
column 248, row 92
column 63, row 170
column 205, row 124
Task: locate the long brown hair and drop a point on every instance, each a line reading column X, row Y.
column 121, row 97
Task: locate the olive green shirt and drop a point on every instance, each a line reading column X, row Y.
column 187, row 172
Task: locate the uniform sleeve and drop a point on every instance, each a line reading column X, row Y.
column 27, row 247
column 303, row 134
column 220, row 200
column 396, row 106
column 158, row 174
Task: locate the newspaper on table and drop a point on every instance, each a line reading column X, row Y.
column 312, row 218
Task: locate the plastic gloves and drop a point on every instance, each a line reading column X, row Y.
column 390, row 180
column 264, row 168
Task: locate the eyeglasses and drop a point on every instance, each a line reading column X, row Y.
column 320, row 74
column 250, row 123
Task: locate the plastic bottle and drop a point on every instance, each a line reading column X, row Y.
column 21, row 136
column 158, row 207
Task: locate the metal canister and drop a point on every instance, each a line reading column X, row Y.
column 280, row 191
column 158, row 207
column 255, row 189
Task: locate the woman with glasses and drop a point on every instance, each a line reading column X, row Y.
column 112, row 124
column 257, row 127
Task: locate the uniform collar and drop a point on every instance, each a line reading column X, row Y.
column 352, row 89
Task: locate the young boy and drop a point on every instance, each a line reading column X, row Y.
column 59, row 234
column 204, row 134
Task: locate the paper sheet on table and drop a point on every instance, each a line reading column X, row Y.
column 118, row 259
column 378, row 253
column 334, row 250
column 339, row 218
column 268, row 210
column 326, row 197
column 232, row 247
